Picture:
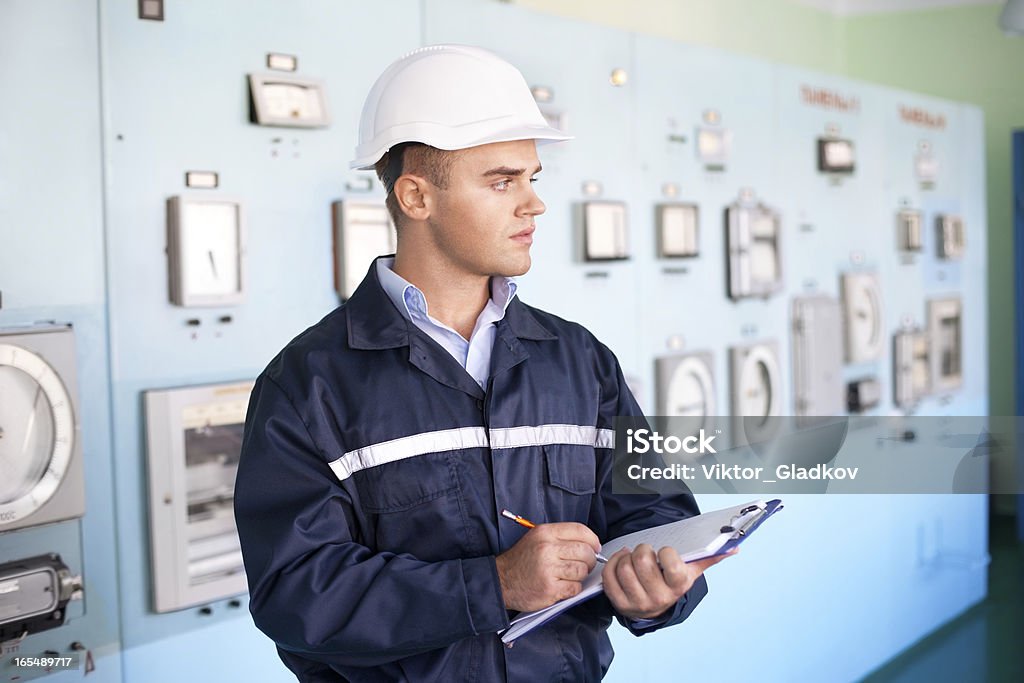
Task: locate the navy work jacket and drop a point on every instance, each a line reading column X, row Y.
column 372, row 475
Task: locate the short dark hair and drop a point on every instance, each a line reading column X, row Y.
column 423, row 160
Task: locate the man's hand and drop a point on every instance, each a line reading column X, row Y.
column 639, row 589
column 548, row 564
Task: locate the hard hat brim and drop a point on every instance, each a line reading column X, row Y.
column 542, row 134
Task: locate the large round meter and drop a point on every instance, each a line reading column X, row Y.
column 37, row 432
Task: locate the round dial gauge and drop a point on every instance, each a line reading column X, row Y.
column 691, row 391
column 758, row 384
column 864, row 334
column 37, row 431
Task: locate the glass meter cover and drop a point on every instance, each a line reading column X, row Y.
column 362, row 232
column 686, row 385
column 951, row 238
column 908, row 227
column 835, row 156
column 862, row 313
column 911, row 367
column 40, row 453
column 756, row 382
column 713, row 146
column 605, row 231
column 678, row 235
column 945, row 328
column 754, row 259
column 205, row 251
column 280, row 100
column 194, row 438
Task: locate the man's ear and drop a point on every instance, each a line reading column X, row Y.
column 414, row 196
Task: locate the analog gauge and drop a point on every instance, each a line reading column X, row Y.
column 210, row 249
column 205, row 251
column 713, row 146
column 945, row 329
column 951, row 236
column 690, row 388
column 911, row 367
column 754, row 263
column 756, row 382
column 678, row 230
column 37, row 432
column 280, row 100
column 362, row 232
column 909, row 230
column 291, row 101
column 756, row 391
column 862, row 311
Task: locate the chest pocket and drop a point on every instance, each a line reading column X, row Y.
column 405, row 484
column 571, row 477
column 415, row 506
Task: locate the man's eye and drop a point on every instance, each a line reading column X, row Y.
column 501, row 184
column 533, row 180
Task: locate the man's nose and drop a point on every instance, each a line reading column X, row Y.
column 532, row 205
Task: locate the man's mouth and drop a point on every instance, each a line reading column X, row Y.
column 524, row 237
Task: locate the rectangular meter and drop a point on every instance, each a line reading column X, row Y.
column 194, row 439
column 817, row 356
column 713, row 146
column 605, row 231
column 908, row 230
column 280, row 100
column 678, row 235
column 755, row 266
column 945, row 327
column 836, row 156
column 362, row 231
column 911, row 367
column 206, row 250
column 951, row 238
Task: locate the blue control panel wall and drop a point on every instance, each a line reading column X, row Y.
column 171, row 96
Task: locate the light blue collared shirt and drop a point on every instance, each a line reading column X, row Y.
column 474, row 355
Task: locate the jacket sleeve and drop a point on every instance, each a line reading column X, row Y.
column 314, row 589
column 625, row 513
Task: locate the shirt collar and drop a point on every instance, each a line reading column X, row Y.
column 373, row 324
column 410, row 301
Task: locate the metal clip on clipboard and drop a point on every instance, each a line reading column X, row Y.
column 748, row 519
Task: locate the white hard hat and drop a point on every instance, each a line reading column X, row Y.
column 449, row 97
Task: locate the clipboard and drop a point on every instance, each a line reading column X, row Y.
column 695, row 538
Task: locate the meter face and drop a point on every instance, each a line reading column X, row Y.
column 211, row 249
column 291, row 101
column 26, row 433
column 37, row 432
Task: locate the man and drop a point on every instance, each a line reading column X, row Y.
column 383, row 442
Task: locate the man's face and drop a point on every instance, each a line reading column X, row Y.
column 484, row 222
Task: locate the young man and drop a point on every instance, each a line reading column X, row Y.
column 383, row 442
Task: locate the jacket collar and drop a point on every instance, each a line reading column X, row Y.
column 374, row 322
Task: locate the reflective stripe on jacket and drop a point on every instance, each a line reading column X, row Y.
column 372, row 474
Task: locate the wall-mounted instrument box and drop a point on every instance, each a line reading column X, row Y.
column 194, row 439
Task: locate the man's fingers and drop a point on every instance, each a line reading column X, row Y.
column 702, row 565
column 678, row 575
column 611, row 583
column 574, row 531
column 573, row 571
column 578, row 552
column 625, row 573
column 652, row 581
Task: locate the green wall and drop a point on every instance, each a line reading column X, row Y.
column 957, row 53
